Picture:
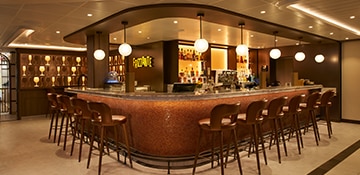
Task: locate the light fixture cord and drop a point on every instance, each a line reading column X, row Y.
column 124, row 33
column 99, row 39
column 242, row 34
column 200, row 28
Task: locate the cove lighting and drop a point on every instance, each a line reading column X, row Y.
column 325, row 18
column 33, row 46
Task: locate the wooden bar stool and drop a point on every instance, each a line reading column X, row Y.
column 82, row 121
column 325, row 102
column 222, row 118
column 253, row 117
column 309, row 108
column 54, row 111
column 67, row 111
column 274, row 114
column 292, row 110
column 103, row 119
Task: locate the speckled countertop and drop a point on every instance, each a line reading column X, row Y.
column 186, row 96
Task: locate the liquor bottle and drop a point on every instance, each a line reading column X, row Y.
column 192, row 73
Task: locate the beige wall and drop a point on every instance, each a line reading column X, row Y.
column 351, row 80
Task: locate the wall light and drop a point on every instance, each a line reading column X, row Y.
column 99, row 54
column 242, row 49
column 125, row 48
column 201, row 45
column 275, row 53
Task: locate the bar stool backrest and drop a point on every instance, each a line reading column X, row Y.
column 67, row 103
column 52, row 100
column 254, row 111
column 221, row 111
column 81, row 107
column 103, row 110
column 312, row 99
column 326, row 96
column 275, row 107
column 294, row 104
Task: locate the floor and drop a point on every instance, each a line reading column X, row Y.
column 25, row 150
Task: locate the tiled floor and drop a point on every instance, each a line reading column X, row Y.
column 25, row 150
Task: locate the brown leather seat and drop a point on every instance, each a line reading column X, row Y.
column 292, row 111
column 222, row 118
column 253, row 117
column 325, row 102
column 54, row 111
column 102, row 118
column 67, row 111
column 309, row 108
column 82, row 122
column 274, row 114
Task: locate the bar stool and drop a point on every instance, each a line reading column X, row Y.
column 103, row 119
column 54, row 111
column 292, row 111
column 82, row 116
column 222, row 118
column 67, row 111
column 253, row 117
column 325, row 102
column 309, row 108
column 274, row 114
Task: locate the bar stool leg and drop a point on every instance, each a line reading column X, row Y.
column 313, row 120
column 237, row 151
column 256, row 138
column 66, row 130
column 221, row 152
column 101, row 148
column 51, row 123
column 277, row 139
column 262, row 142
column 197, row 152
column 91, row 145
column 127, row 143
column 74, row 135
column 56, row 126
column 282, row 135
column 82, row 138
column 61, row 127
column 328, row 121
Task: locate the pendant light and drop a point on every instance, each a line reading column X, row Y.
column 99, row 54
column 319, row 58
column 125, row 49
column 300, row 56
column 275, row 53
column 201, row 45
column 242, row 49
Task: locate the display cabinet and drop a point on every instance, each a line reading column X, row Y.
column 46, row 70
column 117, row 64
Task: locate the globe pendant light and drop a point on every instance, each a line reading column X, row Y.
column 99, row 54
column 125, row 49
column 275, row 53
column 242, row 49
column 201, row 45
column 300, row 56
column 319, row 58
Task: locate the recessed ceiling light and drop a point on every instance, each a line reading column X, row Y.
column 114, row 39
column 310, row 27
column 175, row 22
column 263, row 12
column 148, row 37
column 89, row 14
column 331, row 33
column 219, row 30
column 352, row 17
column 139, row 31
column 347, row 38
column 57, row 32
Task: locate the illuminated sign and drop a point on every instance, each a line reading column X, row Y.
column 142, row 62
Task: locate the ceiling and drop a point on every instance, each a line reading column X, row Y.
column 65, row 23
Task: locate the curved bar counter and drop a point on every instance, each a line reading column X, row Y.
column 165, row 124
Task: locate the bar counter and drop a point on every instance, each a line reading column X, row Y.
column 165, row 124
